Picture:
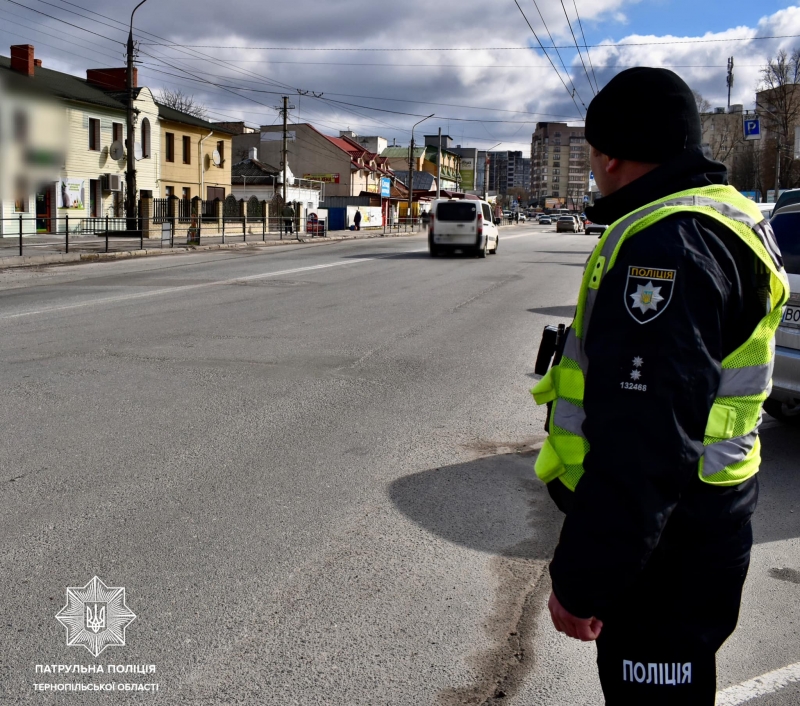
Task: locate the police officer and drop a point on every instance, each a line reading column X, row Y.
column 655, row 405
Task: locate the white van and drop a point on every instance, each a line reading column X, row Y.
column 462, row 224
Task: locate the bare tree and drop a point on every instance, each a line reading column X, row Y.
column 778, row 103
column 178, row 100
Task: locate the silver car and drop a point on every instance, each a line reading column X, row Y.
column 784, row 402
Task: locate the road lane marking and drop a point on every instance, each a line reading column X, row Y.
column 184, row 288
column 754, row 688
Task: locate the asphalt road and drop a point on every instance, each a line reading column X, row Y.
column 311, row 470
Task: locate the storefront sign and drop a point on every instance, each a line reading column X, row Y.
column 71, row 194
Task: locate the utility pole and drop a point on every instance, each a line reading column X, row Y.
column 486, row 177
column 130, row 147
column 284, row 155
column 439, row 168
column 777, row 169
column 411, row 168
column 730, row 81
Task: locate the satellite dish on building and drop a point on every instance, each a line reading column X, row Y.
column 137, row 151
column 116, row 151
column 216, row 157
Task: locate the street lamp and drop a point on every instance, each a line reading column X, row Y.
column 411, row 166
column 130, row 172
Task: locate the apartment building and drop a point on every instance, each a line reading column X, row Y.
column 559, row 164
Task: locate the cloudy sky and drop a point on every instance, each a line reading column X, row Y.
column 378, row 67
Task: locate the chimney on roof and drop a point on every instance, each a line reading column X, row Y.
column 254, row 153
column 111, row 79
column 22, row 59
column 37, row 63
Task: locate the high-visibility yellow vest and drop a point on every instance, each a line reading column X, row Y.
column 731, row 447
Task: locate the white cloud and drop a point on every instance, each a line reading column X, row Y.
column 462, row 84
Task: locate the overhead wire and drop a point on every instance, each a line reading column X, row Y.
column 586, row 46
column 574, row 39
column 421, row 49
column 558, row 54
column 558, row 73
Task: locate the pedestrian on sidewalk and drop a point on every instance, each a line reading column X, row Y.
column 288, row 218
column 656, row 402
column 357, row 220
column 426, row 219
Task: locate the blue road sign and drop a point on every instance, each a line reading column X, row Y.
column 386, row 187
column 752, row 129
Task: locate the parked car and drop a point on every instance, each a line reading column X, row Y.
column 462, row 224
column 566, row 224
column 784, row 401
column 590, row 228
column 787, row 198
column 545, row 221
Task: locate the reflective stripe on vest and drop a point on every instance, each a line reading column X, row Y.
column 731, row 446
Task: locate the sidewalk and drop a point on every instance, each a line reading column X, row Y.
column 46, row 249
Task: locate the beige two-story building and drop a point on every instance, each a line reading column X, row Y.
column 195, row 156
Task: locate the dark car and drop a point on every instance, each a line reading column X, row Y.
column 590, row 227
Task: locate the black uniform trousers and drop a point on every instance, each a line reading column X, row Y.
column 658, row 644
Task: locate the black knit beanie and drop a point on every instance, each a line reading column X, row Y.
column 645, row 115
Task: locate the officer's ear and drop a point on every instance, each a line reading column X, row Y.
column 612, row 164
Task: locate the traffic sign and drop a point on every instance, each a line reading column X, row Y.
column 386, row 187
column 752, row 128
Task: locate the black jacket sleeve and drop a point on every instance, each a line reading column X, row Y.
column 649, row 390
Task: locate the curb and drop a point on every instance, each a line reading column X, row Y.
column 57, row 258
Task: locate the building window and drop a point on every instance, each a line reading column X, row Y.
column 215, row 192
column 95, row 198
column 116, row 132
column 20, row 126
column 556, row 179
column 221, row 150
column 145, row 138
column 187, row 149
column 94, row 134
column 186, row 194
column 21, row 196
column 170, row 146
column 169, row 191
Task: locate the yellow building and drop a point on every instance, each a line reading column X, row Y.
column 195, row 157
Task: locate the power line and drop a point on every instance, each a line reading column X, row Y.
column 588, row 53
column 58, row 19
column 547, row 55
column 580, row 56
column 419, row 49
column 558, row 54
column 450, row 66
column 411, row 100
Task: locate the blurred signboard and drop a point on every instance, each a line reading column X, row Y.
column 467, row 173
column 327, row 178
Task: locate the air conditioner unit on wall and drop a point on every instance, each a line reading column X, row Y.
column 112, row 182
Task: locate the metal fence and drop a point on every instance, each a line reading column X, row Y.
column 177, row 224
column 28, row 235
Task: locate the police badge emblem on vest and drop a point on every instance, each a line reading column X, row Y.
column 648, row 292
